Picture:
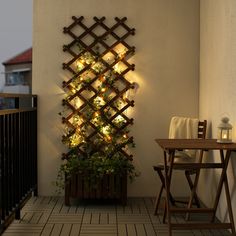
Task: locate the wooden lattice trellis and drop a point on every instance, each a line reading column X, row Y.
column 97, row 89
column 95, row 75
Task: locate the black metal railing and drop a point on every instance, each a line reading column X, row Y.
column 18, row 154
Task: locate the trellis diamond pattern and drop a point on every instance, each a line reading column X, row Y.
column 98, row 87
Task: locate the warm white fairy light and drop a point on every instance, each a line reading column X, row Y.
column 79, row 65
column 106, row 130
column 119, row 119
column 73, row 90
column 116, row 68
column 96, row 119
column 75, row 140
column 76, row 119
column 103, row 90
column 99, row 101
column 77, row 102
column 122, row 53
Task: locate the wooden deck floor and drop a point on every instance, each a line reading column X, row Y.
column 48, row 216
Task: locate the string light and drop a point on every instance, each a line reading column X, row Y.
column 119, row 119
column 73, row 90
column 77, row 102
column 122, row 54
column 79, row 65
column 103, row 90
column 98, row 126
column 74, row 140
column 116, row 68
column 106, row 129
column 99, row 101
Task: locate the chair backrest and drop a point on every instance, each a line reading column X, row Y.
column 202, row 127
column 186, row 127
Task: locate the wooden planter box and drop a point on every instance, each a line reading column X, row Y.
column 109, row 187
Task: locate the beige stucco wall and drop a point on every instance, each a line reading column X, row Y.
column 167, row 66
column 218, row 85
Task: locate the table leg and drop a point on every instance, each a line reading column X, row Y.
column 224, row 180
column 227, row 193
column 193, row 194
column 231, row 217
column 167, row 174
column 194, row 187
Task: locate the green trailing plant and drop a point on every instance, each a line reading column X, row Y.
column 94, row 168
column 94, row 165
column 95, row 117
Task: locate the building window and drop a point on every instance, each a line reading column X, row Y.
column 16, row 78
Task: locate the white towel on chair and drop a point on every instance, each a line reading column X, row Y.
column 184, row 128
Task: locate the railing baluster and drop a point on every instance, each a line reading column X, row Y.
column 2, row 167
column 7, row 164
column 18, row 157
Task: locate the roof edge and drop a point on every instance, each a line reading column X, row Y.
column 20, row 58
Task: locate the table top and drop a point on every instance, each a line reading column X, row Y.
column 204, row 144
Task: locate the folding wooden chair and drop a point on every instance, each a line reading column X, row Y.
column 159, row 168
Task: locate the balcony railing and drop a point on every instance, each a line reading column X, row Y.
column 18, row 154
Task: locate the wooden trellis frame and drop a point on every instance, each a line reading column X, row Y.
column 97, row 88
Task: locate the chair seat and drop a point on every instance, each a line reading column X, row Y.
column 178, row 159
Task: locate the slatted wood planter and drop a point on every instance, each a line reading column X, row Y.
column 111, row 187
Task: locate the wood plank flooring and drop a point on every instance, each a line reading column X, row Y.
column 48, row 216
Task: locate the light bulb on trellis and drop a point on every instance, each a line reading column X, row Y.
column 88, row 58
column 73, row 90
column 116, row 68
column 122, row 53
column 75, row 140
column 82, row 61
column 76, row 119
column 96, row 119
column 79, row 65
column 78, row 102
column 119, row 119
column 97, row 67
column 103, row 90
column 106, row 130
column 108, row 138
column 99, row 101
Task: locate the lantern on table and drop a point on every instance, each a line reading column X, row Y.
column 224, row 131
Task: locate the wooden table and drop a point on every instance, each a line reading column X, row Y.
column 169, row 147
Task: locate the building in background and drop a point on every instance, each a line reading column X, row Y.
column 18, row 73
